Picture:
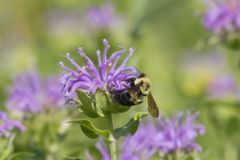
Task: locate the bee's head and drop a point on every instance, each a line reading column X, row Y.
column 144, row 84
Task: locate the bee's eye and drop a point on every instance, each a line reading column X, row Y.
column 132, row 81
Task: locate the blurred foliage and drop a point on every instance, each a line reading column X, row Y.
column 37, row 34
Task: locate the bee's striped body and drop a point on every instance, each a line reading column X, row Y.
column 128, row 97
column 123, row 98
column 139, row 88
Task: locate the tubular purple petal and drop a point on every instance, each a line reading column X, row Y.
column 105, row 50
column 67, row 68
column 90, row 65
column 72, row 61
column 99, row 58
column 115, row 55
column 123, row 65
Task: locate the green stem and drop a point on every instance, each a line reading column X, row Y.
column 174, row 155
column 112, row 142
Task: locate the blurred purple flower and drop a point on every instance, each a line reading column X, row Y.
column 214, row 62
column 7, row 125
column 138, row 146
column 106, row 76
column 222, row 86
column 222, row 16
column 176, row 134
column 198, row 69
column 31, row 94
column 133, row 148
column 102, row 17
column 165, row 137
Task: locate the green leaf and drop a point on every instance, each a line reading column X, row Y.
column 131, row 126
column 21, row 155
column 99, row 105
column 87, row 105
column 102, row 101
column 91, row 131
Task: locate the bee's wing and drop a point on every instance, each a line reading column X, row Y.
column 152, row 106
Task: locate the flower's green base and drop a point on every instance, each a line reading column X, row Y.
column 98, row 105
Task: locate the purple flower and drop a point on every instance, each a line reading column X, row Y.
column 222, row 86
column 106, row 76
column 102, row 17
column 138, row 146
column 176, row 134
column 7, row 125
column 165, row 137
column 214, row 62
column 222, row 16
column 198, row 69
column 31, row 94
column 131, row 148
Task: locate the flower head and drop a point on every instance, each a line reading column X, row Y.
column 138, row 146
column 106, row 76
column 7, row 125
column 166, row 137
column 102, row 17
column 131, row 148
column 198, row 69
column 222, row 86
column 177, row 134
column 31, row 94
column 222, row 16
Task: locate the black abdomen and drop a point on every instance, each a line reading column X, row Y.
column 123, row 98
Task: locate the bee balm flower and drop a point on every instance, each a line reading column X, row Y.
column 131, row 149
column 106, row 75
column 31, row 94
column 177, row 134
column 167, row 137
column 102, row 17
column 223, row 19
column 223, row 16
column 223, row 87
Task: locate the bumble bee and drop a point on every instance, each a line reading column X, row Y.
column 139, row 88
